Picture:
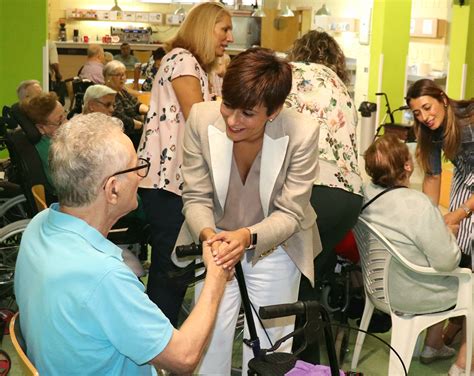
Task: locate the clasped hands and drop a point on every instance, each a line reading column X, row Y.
column 228, row 247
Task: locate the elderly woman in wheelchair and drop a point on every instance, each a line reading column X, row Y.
column 409, row 220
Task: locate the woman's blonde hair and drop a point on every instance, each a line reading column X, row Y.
column 196, row 33
column 456, row 116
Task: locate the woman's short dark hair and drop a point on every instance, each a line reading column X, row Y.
column 39, row 107
column 385, row 160
column 257, row 77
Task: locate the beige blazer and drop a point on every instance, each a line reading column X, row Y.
column 289, row 165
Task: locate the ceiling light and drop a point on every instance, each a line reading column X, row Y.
column 323, row 11
column 258, row 12
column 286, row 12
column 116, row 7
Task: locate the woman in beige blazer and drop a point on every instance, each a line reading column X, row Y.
column 248, row 170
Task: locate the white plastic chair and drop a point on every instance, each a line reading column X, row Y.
column 375, row 253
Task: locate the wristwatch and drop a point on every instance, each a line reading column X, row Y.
column 253, row 241
column 467, row 210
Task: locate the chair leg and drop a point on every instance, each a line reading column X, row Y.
column 404, row 336
column 469, row 328
column 364, row 324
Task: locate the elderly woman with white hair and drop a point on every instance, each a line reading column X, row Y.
column 99, row 98
column 127, row 107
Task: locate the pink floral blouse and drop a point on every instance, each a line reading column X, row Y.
column 318, row 92
column 163, row 131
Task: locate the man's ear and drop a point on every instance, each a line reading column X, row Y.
column 111, row 190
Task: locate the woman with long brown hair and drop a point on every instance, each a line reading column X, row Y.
column 445, row 125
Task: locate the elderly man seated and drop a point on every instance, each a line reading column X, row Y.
column 28, row 89
column 82, row 309
column 92, row 69
column 99, row 98
column 126, row 57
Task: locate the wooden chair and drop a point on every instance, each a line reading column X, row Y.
column 40, row 196
column 20, row 346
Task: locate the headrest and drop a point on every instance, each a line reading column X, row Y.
column 32, row 133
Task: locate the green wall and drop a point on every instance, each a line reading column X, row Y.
column 390, row 36
column 23, row 33
column 461, row 51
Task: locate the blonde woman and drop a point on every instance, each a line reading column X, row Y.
column 181, row 81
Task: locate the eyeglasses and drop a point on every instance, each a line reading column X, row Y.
column 142, row 168
column 60, row 121
column 124, row 74
column 106, row 105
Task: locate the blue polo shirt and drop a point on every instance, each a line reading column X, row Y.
column 83, row 311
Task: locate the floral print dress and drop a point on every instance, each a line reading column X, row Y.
column 319, row 92
column 163, row 132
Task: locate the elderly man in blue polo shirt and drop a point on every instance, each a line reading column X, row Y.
column 82, row 310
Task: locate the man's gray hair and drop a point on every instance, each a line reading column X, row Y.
column 112, row 67
column 21, row 90
column 84, row 152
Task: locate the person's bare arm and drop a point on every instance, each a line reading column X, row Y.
column 187, row 344
column 188, row 92
column 136, row 77
column 432, row 187
column 456, row 216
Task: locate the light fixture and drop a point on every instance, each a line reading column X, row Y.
column 323, row 11
column 116, row 7
column 258, row 12
column 286, row 12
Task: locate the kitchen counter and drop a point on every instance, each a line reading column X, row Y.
column 108, row 46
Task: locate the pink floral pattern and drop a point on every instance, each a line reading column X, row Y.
column 163, row 131
column 318, row 92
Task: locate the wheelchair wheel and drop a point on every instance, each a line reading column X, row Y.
column 13, row 210
column 10, row 237
column 341, row 344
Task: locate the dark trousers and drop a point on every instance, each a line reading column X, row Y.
column 337, row 212
column 163, row 213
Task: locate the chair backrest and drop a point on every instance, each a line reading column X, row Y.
column 28, row 166
column 32, row 133
column 79, row 87
column 40, row 196
column 375, row 257
column 19, row 345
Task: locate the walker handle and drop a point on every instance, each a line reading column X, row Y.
column 282, row 310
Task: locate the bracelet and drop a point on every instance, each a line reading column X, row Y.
column 467, row 210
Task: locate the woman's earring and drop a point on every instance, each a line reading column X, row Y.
column 271, row 119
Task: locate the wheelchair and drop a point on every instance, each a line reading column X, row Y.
column 79, row 87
